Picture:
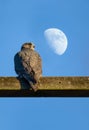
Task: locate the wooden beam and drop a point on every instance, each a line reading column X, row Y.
column 47, row 87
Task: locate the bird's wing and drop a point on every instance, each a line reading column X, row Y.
column 17, row 64
column 36, row 66
column 36, row 63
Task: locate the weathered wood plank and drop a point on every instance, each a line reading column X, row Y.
column 47, row 87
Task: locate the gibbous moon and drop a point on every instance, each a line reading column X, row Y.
column 56, row 39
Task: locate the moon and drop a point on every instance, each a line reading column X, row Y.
column 57, row 40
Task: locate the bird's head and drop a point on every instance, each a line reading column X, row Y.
column 28, row 45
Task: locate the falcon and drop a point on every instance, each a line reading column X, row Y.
column 28, row 64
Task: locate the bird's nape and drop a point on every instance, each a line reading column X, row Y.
column 28, row 45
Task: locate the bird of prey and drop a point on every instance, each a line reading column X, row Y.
column 28, row 64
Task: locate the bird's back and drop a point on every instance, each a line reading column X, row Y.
column 28, row 62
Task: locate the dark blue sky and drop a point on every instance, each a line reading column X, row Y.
column 44, row 114
column 26, row 20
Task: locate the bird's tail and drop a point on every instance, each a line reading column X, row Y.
column 33, row 86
